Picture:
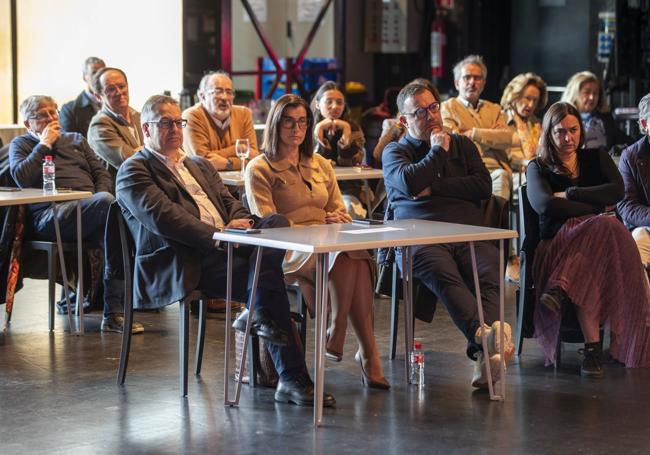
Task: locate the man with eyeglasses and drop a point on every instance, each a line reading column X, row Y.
column 75, row 115
column 433, row 175
column 78, row 168
column 114, row 132
column 480, row 120
column 173, row 203
column 214, row 124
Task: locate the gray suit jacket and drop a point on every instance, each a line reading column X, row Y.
column 170, row 238
column 111, row 138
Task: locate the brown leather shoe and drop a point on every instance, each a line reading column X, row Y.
column 219, row 306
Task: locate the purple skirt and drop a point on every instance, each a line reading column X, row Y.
column 595, row 260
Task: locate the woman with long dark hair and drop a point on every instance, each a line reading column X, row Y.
column 289, row 178
column 586, row 257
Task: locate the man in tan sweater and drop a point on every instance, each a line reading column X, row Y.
column 480, row 120
column 214, row 124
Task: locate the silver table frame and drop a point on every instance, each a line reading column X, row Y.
column 33, row 196
column 323, row 239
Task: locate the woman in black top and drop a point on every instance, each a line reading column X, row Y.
column 585, row 256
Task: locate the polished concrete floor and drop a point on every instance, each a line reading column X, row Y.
column 58, row 396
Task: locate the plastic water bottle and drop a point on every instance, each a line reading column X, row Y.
column 417, row 364
column 49, row 171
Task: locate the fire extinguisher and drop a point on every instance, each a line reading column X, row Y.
column 438, row 45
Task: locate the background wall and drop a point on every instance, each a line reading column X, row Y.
column 247, row 47
column 141, row 37
column 5, row 63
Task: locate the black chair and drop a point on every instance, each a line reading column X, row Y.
column 128, row 254
column 570, row 331
column 52, row 251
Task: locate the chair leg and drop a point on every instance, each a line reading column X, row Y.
column 394, row 314
column 51, row 285
column 558, row 353
column 200, row 336
column 183, row 342
column 126, row 334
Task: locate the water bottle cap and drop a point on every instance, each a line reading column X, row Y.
column 417, row 345
column 48, row 157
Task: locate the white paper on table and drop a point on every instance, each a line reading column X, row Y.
column 373, row 230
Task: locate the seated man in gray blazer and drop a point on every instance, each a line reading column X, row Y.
column 173, row 204
column 114, row 132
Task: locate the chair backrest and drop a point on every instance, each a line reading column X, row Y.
column 528, row 223
column 120, row 251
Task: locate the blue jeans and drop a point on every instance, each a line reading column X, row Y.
column 271, row 293
column 93, row 223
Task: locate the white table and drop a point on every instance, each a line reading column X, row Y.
column 323, row 239
column 10, row 131
column 35, row 196
column 234, row 178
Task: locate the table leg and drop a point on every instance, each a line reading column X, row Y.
column 479, row 301
column 226, row 361
column 407, row 298
column 366, row 189
column 80, row 271
column 322, row 268
column 502, row 277
column 64, row 273
column 251, row 310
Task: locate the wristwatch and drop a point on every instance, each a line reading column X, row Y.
column 229, row 165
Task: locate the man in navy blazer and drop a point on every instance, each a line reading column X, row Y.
column 173, row 204
column 635, row 169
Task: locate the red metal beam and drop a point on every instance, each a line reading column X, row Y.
column 226, row 35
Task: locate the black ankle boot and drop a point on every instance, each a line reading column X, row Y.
column 592, row 364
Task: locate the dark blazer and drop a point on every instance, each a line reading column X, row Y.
column 599, row 184
column 458, row 180
column 635, row 170
column 75, row 115
column 170, row 238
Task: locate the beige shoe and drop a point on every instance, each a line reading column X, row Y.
column 494, row 338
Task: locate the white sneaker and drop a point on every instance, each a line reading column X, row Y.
column 479, row 379
column 494, row 338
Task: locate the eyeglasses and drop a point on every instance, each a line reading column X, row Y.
column 469, row 77
column 44, row 115
column 165, row 123
column 113, row 89
column 290, row 123
column 220, row 91
column 422, row 112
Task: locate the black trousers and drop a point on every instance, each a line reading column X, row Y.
column 271, row 292
column 447, row 271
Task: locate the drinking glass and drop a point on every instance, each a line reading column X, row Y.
column 242, row 150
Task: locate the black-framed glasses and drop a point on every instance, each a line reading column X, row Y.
column 422, row 112
column 44, row 115
column 290, row 122
column 165, row 123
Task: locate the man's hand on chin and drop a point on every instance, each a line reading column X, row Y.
column 440, row 138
